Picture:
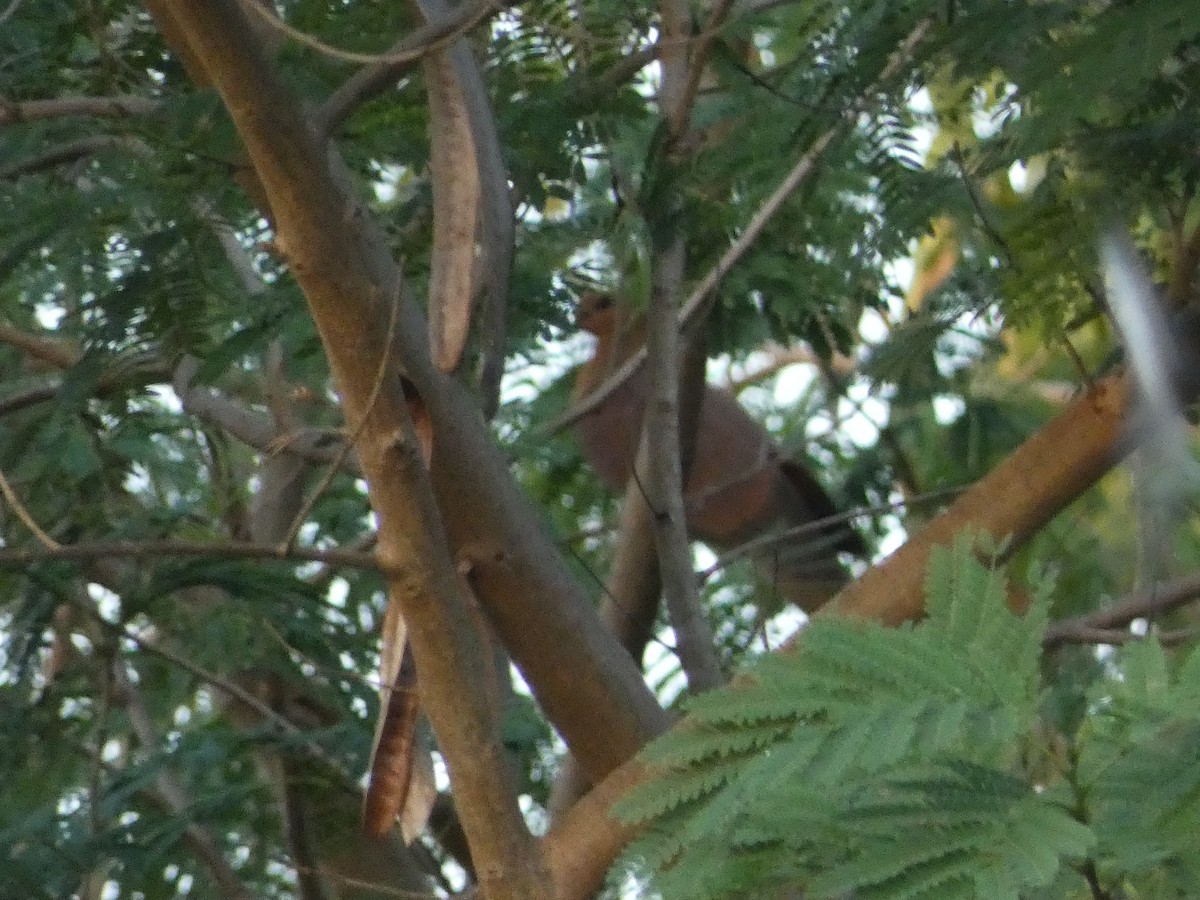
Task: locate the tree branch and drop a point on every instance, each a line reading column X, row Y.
column 66, row 152
column 700, row 48
column 123, row 374
column 1014, row 500
column 86, row 551
column 433, row 42
column 340, row 258
column 817, row 526
column 1096, row 626
column 660, row 457
column 13, row 112
column 629, row 608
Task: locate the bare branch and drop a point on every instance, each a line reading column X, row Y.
column 582, row 845
column 55, row 351
column 1043, row 475
column 87, row 551
column 10, row 11
column 619, row 73
column 660, row 457
column 66, row 152
column 629, row 608
column 335, row 465
column 1099, row 626
column 1017, row 498
column 818, row 526
column 116, row 107
column 1116, row 636
column 675, row 45
column 700, row 48
column 123, row 374
column 254, row 429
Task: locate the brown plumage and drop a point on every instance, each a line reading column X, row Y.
column 738, row 486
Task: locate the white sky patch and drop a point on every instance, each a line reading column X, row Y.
column 108, row 604
column 662, row 667
column 113, row 751
column 338, row 591
column 893, row 538
column 166, row 395
column 947, row 409
column 49, row 315
column 1018, row 176
column 872, row 327
column 779, row 628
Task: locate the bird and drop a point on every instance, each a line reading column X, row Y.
column 739, row 485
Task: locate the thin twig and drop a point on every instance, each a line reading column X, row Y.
column 1154, row 600
column 337, row 671
column 372, row 887
column 431, row 38
column 960, row 163
column 766, row 541
column 66, row 152
column 1117, row 636
column 25, row 516
column 135, row 372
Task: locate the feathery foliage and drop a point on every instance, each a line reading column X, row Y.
column 895, row 763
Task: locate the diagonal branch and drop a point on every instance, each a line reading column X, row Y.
column 64, row 153
column 432, row 40
column 1016, row 499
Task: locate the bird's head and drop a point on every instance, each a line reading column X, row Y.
column 596, row 312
